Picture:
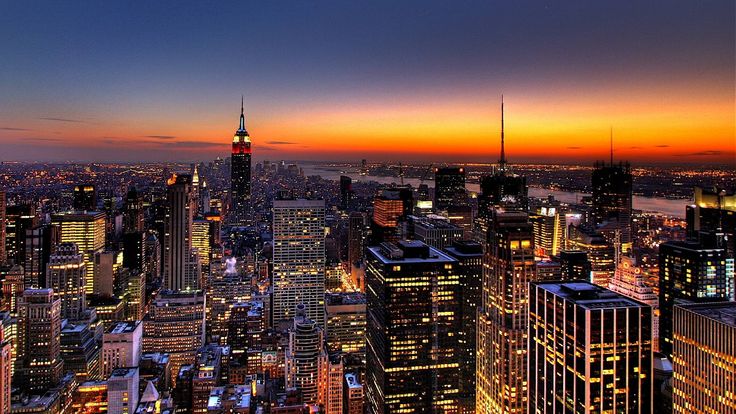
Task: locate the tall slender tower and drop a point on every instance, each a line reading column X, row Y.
column 501, row 353
column 178, row 269
column 240, row 175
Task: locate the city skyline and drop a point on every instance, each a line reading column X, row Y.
column 377, row 80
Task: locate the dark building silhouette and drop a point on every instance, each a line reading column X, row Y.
column 240, row 184
column 133, row 220
column 18, row 219
column 346, row 192
column 712, row 218
column 390, row 207
column 574, row 265
column 449, row 188
column 469, row 255
column 85, row 197
column 612, row 198
column 40, row 242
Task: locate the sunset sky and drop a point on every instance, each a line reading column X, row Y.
column 394, row 80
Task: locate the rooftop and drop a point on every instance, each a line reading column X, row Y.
column 122, row 327
column 588, row 295
column 724, row 312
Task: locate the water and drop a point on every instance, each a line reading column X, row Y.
column 675, row 208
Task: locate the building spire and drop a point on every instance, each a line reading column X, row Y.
column 242, row 113
column 611, row 139
column 502, row 160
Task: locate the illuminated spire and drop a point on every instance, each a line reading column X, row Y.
column 502, row 160
column 242, row 113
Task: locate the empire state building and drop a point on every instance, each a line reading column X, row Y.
column 242, row 210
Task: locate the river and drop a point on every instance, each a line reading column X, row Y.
column 675, row 208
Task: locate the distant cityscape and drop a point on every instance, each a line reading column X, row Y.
column 234, row 286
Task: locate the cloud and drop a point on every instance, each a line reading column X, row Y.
column 574, row 148
column 266, row 148
column 160, row 136
column 13, row 129
column 43, row 139
column 706, row 153
column 635, row 147
column 280, row 143
column 197, row 144
column 662, row 146
column 47, row 118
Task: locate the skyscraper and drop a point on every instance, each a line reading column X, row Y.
column 240, row 186
column 690, row 273
column 85, row 197
column 298, row 259
column 703, row 358
column 389, row 207
column 590, row 350
column 612, row 197
column 87, row 231
column 6, row 369
column 508, row 267
column 18, row 219
column 469, row 256
column 133, row 218
column 66, row 272
column 179, row 266
column 449, row 188
column 712, row 218
column 549, row 231
column 40, row 242
column 629, row 280
column 413, row 316
column 304, row 356
column 122, row 343
column 176, row 324
column 346, row 192
column 3, row 205
column 39, row 340
column 356, row 244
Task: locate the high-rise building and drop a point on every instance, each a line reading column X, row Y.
column 331, row 382
column 356, row 244
column 240, row 185
column 389, row 208
column 549, row 231
column 574, row 265
column 508, row 267
column 703, row 358
column 503, row 188
column 87, row 231
column 85, row 197
column 304, row 356
column 449, row 188
column 3, row 206
column 39, row 340
column 436, row 232
column 413, row 318
column 601, row 253
column 298, row 259
column 630, row 281
column 211, row 361
column 18, row 219
column 202, row 241
column 346, row 192
column 6, row 371
column 123, row 390
column 712, row 218
column 176, row 324
column 80, row 350
column 345, row 325
column 590, row 350
column 40, row 243
column 66, row 272
column 179, row 265
column 690, row 273
column 612, row 198
column 122, row 344
column 133, row 215
column 469, row 256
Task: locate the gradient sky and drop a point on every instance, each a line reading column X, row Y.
column 411, row 80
